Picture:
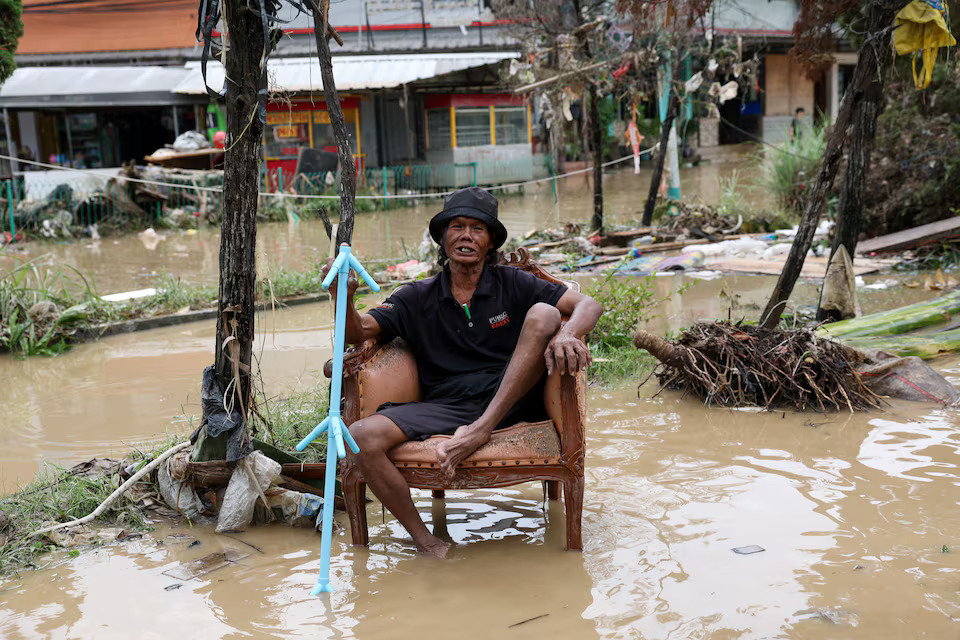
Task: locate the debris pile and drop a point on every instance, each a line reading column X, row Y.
column 699, row 221
column 734, row 365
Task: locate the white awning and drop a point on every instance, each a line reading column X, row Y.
column 352, row 73
column 38, row 87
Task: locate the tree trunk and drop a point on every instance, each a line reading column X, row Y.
column 238, row 229
column 881, row 16
column 348, row 171
column 850, row 212
column 673, row 105
column 596, row 142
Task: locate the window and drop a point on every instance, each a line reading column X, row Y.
column 473, row 126
column 323, row 137
column 285, row 133
column 438, row 128
column 511, row 124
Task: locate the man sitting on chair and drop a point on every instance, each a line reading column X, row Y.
column 484, row 336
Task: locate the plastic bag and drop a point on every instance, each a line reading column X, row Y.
column 190, row 141
column 294, row 508
column 178, row 495
column 236, row 511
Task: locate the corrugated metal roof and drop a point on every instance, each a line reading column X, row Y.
column 64, row 86
column 352, row 73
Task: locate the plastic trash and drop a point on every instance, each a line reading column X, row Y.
column 642, row 241
column 407, row 270
column 178, row 495
column 295, row 508
column 190, row 141
column 739, row 248
column 236, row 511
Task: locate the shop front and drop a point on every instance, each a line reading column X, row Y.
column 295, row 128
column 93, row 117
column 485, row 137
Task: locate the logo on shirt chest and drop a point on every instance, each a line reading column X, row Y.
column 499, row 320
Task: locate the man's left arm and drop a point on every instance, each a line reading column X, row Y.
column 566, row 352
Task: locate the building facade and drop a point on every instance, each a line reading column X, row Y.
column 420, row 82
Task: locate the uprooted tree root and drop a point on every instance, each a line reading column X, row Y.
column 737, row 365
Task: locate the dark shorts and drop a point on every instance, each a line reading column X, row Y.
column 420, row 420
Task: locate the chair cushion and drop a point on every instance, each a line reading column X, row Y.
column 525, row 443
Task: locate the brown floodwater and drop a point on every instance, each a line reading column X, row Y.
column 856, row 514
column 131, row 262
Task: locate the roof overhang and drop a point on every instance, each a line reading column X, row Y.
column 83, row 86
column 352, row 73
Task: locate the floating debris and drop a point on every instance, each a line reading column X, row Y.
column 747, row 550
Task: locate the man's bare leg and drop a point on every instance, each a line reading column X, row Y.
column 376, row 435
column 523, row 371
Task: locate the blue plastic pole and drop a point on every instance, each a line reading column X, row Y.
column 333, row 425
column 13, row 229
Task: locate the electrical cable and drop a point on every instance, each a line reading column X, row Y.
column 281, row 194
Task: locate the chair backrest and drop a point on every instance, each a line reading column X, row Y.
column 521, row 260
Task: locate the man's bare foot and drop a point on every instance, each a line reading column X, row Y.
column 465, row 440
column 434, row 547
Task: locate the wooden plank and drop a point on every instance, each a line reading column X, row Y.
column 812, row 267
column 622, row 238
column 912, row 238
column 305, row 470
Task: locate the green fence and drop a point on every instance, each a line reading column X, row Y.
column 73, row 199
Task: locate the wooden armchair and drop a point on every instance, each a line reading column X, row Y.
column 550, row 451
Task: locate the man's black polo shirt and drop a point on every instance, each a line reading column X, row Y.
column 459, row 357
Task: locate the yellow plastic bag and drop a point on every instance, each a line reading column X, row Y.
column 921, row 29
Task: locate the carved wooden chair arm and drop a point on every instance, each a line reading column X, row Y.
column 354, row 358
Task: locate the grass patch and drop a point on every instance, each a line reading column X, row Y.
column 59, row 495
column 42, row 309
column 612, row 365
column 286, row 420
column 789, row 169
column 45, row 311
column 173, row 294
column 627, row 301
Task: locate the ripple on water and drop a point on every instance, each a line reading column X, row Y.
column 921, row 450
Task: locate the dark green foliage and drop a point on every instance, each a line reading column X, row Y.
column 915, row 173
column 11, row 28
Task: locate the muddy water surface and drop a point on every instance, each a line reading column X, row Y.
column 130, row 262
column 856, row 515
column 101, row 397
column 853, row 514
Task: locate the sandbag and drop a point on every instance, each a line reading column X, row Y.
column 907, row 378
column 236, row 511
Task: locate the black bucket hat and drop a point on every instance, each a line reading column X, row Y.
column 472, row 202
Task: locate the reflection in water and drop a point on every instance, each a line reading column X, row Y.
column 853, row 546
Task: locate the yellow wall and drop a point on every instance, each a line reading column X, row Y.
column 786, row 87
